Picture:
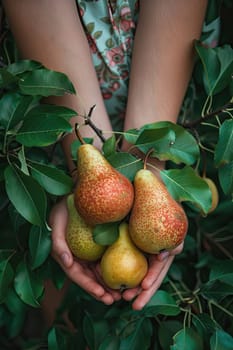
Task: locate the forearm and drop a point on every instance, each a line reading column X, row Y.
column 50, row 31
column 163, row 57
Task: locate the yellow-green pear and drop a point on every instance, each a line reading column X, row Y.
column 157, row 222
column 214, row 192
column 102, row 194
column 123, row 265
column 79, row 235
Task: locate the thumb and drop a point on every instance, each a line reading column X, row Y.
column 60, row 250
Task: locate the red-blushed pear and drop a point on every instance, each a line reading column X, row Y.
column 157, row 222
column 123, row 265
column 102, row 193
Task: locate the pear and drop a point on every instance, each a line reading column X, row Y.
column 123, row 265
column 157, row 222
column 214, row 192
column 79, row 235
column 102, row 194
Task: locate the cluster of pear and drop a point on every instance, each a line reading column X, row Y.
column 150, row 220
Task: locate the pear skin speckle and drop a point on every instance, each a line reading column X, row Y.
column 157, row 222
column 79, row 235
column 102, row 194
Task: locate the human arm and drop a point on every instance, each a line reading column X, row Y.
column 50, row 32
column 162, row 63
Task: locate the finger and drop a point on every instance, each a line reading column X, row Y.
column 60, row 249
column 175, row 251
column 131, row 293
column 155, row 268
column 146, row 295
column 85, row 278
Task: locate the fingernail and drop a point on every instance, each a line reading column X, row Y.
column 163, row 255
column 65, row 259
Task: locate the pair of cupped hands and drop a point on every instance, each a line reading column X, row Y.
column 87, row 274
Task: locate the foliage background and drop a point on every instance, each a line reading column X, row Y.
column 193, row 309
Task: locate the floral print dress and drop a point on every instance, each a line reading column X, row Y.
column 110, row 27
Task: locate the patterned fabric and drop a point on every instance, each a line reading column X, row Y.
column 110, row 27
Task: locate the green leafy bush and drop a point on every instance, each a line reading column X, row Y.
column 193, row 309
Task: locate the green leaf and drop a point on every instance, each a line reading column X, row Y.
column 51, row 110
column 131, row 135
column 6, row 277
column 23, row 66
column 221, row 340
column 94, row 330
column 106, row 234
column 222, row 271
column 57, row 340
column 125, row 163
column 218, row 66
column 161, row 303
column 23, row 162
column 45, row 82
column 204, row 325
column 28, row 287
column 185, row 185
column 39, row 246
column 158, row 139
column 224, row 147
column 216, row 290
column 111, row 342
column 140, row 338
column 179, row 147
column 109, row 146
column 53, row 180
column 26, row 195
column 42, row 131
column 6, row 78
column 12, row 109
column 187, row 338
column 166, row 331
column 225, row 175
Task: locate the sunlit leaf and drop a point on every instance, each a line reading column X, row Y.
column 26, row 195
column 186, row 185
column 27, row 285
column 224, row 147
column 45, row 82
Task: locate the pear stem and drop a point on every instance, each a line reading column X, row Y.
column 146, row 157
column 88, row 121
column 77, row 133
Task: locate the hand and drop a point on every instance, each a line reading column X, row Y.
column 158, row 268
column 82, row 273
